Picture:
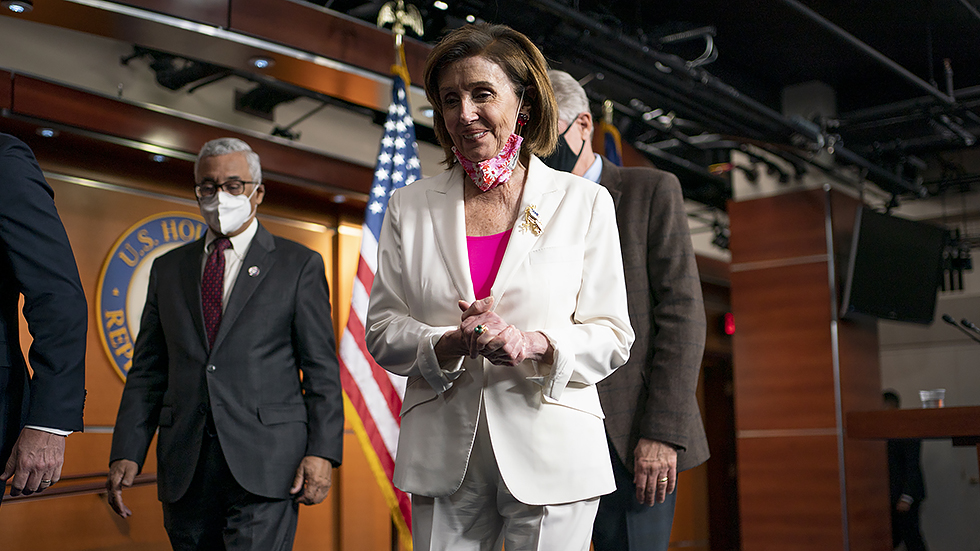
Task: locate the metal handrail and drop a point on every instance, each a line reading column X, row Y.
column 82, row 488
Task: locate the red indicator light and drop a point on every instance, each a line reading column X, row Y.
column 729, row 323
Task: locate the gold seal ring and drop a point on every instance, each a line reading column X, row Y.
column 480, row 329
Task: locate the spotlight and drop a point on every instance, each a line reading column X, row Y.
column 157, row 158
column 261, row 62
column 18, row 6
column 471, row 19
column 47, row 132
column 440, row 5
column 339, row 198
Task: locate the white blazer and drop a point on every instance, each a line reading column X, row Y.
column 545, row 421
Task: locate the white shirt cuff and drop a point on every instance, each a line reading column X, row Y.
column 59, row 432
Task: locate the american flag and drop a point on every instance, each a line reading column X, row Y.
column 373, row 396
column 612, row 143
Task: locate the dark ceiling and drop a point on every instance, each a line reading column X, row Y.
column 900, row 105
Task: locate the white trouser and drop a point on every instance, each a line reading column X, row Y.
column 483, row 514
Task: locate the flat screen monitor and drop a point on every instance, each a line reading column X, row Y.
column 895, row 268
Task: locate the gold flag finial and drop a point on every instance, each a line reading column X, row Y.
column 400, row 16
column 607, row 112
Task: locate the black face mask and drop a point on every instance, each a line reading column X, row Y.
column 564, row 158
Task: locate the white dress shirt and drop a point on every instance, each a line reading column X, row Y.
column 594, row 173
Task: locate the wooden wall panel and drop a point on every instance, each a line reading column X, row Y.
column 780, row 507
column 713, row 271
column 84, row 523
column 858, row 338
column 843, row 210
column 307, row 28
column 212, row 12
column 778, row 228
column 691, row 516
column 784, row 295
column 43, row 100
column 6, row 90
column 94, row 219
column 867, row 495
column 783, row 375
column 87, row 453
column 319, row 525
column 365, row 526
column 859, row 365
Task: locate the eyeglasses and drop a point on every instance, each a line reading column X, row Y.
column 208, row 189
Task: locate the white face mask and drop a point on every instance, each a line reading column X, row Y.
column 226, row 211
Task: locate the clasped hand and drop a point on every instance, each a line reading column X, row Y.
column 496, row 340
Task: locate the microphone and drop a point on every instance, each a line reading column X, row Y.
column 949, row 319
column 969, row 325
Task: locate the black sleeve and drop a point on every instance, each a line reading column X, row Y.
column 36, row 250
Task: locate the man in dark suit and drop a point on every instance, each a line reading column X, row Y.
column 652, row 418
column 235, row 362
column 906, row 485
column 36, row 412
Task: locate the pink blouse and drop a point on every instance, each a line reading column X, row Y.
column 485, row 254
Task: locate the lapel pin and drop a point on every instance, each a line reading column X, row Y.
column 253, row 271
column 530, row 221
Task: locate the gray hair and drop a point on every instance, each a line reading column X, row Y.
column 224, row 146
column 569, row 94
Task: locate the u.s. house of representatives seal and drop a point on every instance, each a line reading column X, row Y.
column 125, row 275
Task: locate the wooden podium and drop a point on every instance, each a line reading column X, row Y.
column 960, row 424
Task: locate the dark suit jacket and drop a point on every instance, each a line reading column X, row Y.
column 905, row 470
column 654, row 395
column 36, row 261
column 271, row 380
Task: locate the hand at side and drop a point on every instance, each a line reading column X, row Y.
column 313, row 479
column 35, row 463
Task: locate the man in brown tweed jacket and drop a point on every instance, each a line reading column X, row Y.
column 652, row 418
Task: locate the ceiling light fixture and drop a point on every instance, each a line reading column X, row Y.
column 18, row 6
column 471, row 19
column 261, row 62
column 440, row 5
column 47, row 132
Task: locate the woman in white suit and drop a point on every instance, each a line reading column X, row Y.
column 500, row 295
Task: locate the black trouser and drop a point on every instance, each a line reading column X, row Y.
column 216, row 513
column 905, row 528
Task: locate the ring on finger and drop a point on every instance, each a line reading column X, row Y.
column 664, row 479
column 480, row 329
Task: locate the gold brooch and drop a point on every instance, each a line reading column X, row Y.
column 530, row 223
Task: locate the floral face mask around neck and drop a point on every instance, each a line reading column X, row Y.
column 495, row 171
column 492, row 172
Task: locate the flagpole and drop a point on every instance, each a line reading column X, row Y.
column 373, row 396
column 612, row 142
